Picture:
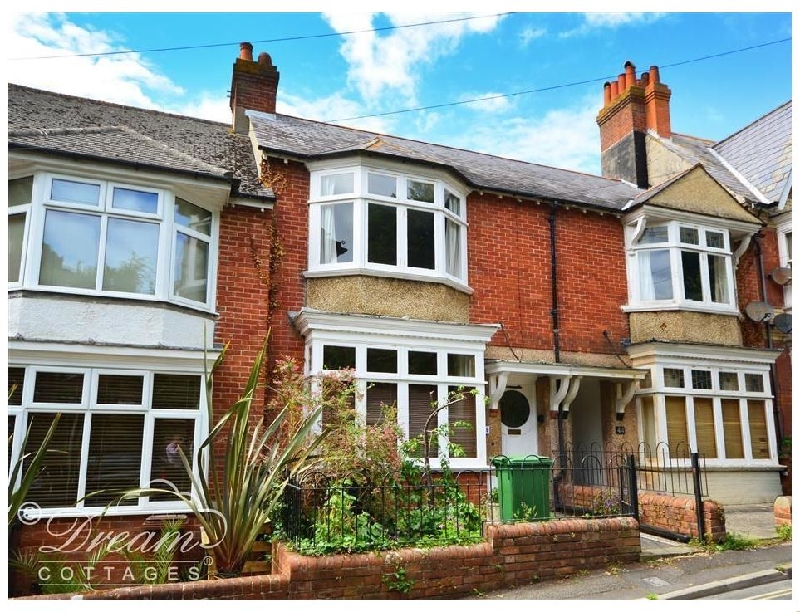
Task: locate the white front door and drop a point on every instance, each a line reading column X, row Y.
column 518, row 417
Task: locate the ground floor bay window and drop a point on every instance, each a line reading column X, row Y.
column 416, row 366
column 119, row 429
column 720, row 409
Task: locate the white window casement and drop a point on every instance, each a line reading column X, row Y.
column 720, row 410
column 119, row 429
column 682, row 264
column 784, row 232
column 102, row 237
column 413, row 365
column 387, row 222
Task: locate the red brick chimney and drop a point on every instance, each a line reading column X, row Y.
column 631, row 107
column 254, row 86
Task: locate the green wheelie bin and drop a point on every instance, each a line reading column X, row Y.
column 523, row 487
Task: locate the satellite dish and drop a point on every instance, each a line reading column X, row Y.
column 759, row 311
column 783, row 323
column 782, row 276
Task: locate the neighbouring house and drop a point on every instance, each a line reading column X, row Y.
column 586, row 311
column 708, row 249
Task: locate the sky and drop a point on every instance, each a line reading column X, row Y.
column 523, row 85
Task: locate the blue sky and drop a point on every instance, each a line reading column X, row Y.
column 328, row 76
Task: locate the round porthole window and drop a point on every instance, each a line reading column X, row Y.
column 514, row 409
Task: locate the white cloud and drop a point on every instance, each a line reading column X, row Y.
column 206, row 107
column 331, row 108
column 564, row 138
column 124, row 79
column 491, row 101
column 530, row 33
column 595, row 21
column 390, row 64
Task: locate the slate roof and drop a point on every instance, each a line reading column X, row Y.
column 306, row 139
column 754, row 164
column 61, row 124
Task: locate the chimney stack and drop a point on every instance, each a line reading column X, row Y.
column 254, row 86
column 631, row 107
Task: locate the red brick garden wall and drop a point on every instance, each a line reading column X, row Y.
column 677, row 514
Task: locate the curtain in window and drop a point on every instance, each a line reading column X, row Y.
column 732, row 429
column 57, row 484
column 756, row 417
column 451, row 235
column 717, row 274
column 422, row 400
column 463, row 412
column 655, row 275
column 704, row 427
column 327, row 249
column 677, row 431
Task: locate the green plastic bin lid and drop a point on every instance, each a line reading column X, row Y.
column 520, row 460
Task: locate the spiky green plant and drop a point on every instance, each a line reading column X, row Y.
column 236, row 496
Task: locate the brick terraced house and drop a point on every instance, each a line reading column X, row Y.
column 586, row 310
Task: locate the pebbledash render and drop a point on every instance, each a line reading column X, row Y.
column 587, row 311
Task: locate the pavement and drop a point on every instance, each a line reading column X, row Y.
column 670, row 570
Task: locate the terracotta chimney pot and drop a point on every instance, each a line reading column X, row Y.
column 246, row 51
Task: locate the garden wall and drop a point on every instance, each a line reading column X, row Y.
column 782, row 509
column 513, row 555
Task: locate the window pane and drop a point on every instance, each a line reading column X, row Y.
column 58, row 388
column 170, row 435
column 654, row 234
column 649, row 424
column 193, row 217
column 421, row 248
column 754, row 383
column 419, row 191
column 75, row 191
column 452, row 239
column 677, row 432
column 422, row 363
column 692, row 284
column 119, row 389
column 715, row 240
column 728, row 381
column 704, row 427
column 336, row 238
column 422, row 401
column 382, row 234
column 701, row 379
column 718, row 277
column 16, row 380
column 131, row 256
column 460, row 365
column 757, row 419
column 673, row 378
column 732, row 429
column 338, row 357
column 176, row 391
column 463, row 412
column 379, row 397
column 57, row 484
column 690, row 235
column 69, row 250
column 20, row 191
column 381, row 360
column 452, row 203
column 381, row 184
column 335, row 184
column 131, row 199
column 16, row 235
column 115, row 457
column 191, row 268
column 655, row 275
column 12, row 422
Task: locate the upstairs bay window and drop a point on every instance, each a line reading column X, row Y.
column 374, row 222
column 678, row 265
column 99, row 237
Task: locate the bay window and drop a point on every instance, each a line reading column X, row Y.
column 100, row 237
column 113, row 434
column 675, row 264
column 370, row 221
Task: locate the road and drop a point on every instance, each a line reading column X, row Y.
column 777, row 590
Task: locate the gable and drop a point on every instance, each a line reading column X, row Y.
column 697, row 192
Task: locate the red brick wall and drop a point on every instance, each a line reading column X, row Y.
column 678, row 514
column 621, row 117
column 510, row 272
column 513, row 555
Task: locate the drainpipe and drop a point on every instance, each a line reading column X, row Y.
column 554, row 315
column 773, row 378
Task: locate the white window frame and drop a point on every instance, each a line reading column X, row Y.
column 659, row 391
column 361, row 199
column 163, row 218
column 403, row 336
column 26, row 210
column 783, row 231
column 88, row 406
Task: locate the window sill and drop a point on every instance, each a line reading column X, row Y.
column 31, row 516
column 411, row 276
column 684, row 307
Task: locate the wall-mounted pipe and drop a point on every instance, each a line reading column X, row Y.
column 554, row 282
